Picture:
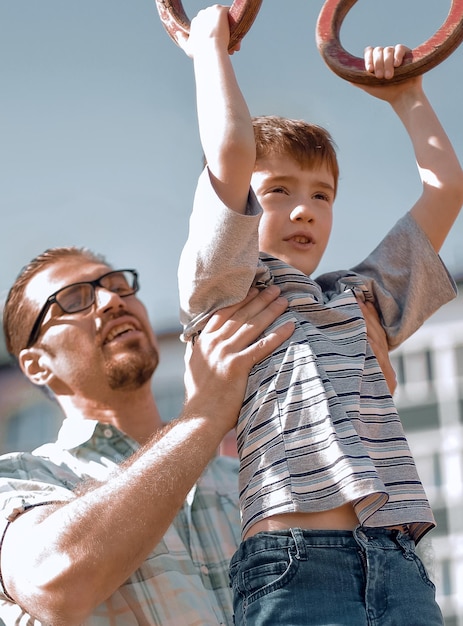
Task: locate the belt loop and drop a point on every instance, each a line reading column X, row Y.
column 405, row 543
column 360, row 536
column 299, row 541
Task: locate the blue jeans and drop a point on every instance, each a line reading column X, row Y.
column 365, row 577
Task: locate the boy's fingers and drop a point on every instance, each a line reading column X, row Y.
column 399, row 54
column 368, row 58
column 388, row 61
column 381, row 61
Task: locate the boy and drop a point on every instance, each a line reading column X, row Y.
column 330, row 498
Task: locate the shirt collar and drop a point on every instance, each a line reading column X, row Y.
column 75, row 432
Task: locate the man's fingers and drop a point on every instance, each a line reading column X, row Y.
column 375, row 330
column 255, row 303
column 264, row 347
column 238, row 330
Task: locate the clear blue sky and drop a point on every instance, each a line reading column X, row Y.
column 98, row 134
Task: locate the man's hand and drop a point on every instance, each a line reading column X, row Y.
column 378, row 342
column 218, row 365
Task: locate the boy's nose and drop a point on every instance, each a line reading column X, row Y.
column 302, row 213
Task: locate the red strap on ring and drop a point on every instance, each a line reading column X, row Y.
column 420, row 60
column 242, row 14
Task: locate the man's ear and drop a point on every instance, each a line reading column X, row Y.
column 35, row 365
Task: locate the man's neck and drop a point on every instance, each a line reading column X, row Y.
column 134, row 413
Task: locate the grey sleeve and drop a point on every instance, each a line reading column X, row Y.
column 405, row 278
column 218, row 263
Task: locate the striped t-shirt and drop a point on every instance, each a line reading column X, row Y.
column 318, row 427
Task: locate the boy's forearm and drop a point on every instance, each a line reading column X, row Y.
column 439, row 168
column 225, row 125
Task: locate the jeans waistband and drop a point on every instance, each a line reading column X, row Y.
column 303, row 539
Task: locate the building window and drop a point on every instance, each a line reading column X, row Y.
column 169, row 400
column 437, row 470
column 446, row 578
column 419, row 417
column 441, row 517
column 397, row 361
column 32, row 426
column 459, row 360
column 430, row 470
column 418, row 367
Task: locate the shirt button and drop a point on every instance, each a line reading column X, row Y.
column 204, row 570
column 108, row 433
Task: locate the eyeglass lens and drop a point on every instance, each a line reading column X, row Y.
column 80, row 296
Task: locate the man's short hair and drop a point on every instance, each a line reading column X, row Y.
column 17, row 316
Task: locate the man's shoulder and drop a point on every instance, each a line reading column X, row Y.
column 32, row 466
column 27, row 480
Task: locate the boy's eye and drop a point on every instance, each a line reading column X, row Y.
column 322, row 196
column 278, row 190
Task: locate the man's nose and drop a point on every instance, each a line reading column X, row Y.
column 106, row 299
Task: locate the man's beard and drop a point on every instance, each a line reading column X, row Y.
column 133, row 369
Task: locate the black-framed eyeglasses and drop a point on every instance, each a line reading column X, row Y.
column 80, row 296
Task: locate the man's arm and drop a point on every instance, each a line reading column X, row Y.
column 378, row 341
column 225, row 125
column 61, row 561
column 440, row 172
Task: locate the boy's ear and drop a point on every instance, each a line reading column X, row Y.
column 34, row 364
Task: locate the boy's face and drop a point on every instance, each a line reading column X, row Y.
column 297, row 210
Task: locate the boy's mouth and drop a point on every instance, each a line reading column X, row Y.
column 301, row 239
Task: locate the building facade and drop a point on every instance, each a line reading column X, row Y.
column 429, row 398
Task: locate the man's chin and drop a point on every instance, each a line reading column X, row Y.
column 131, row 371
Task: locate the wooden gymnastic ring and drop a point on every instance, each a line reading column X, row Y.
column 242, row 15
column 420, row 60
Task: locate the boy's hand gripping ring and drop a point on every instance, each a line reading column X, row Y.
column 420, row 60
column 242, row 15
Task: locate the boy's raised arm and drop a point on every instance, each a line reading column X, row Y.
column 225, row 124
column 439, row 168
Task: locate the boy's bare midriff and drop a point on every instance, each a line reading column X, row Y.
column 341, row 518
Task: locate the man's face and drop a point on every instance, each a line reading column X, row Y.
column 297, row 208
column 108, row 345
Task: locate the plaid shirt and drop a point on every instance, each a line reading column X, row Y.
column 184, row 581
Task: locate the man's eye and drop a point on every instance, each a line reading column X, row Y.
column 120, row 287
column 75, row 298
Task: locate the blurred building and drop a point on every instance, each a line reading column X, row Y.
column 429, row 397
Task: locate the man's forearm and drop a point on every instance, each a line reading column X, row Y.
column 61, row 563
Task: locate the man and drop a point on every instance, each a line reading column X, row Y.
column 124, row 520
column 86, row 540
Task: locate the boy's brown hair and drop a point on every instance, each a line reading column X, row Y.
column 308, row 144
